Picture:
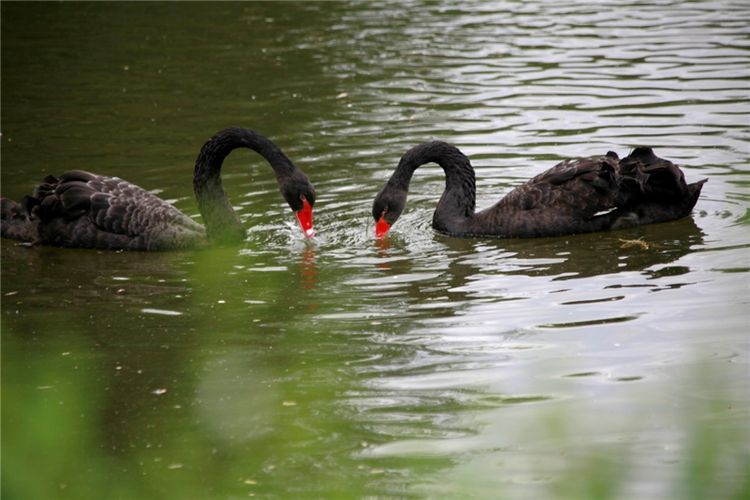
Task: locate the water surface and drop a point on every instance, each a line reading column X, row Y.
column 419, row 366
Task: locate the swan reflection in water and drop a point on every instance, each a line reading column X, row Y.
column 308, row 272
column 647, row 249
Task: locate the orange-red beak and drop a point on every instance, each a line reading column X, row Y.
column 381, row 227
column 305, row 218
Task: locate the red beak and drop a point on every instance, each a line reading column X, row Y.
column 381, row 228
column 305, row 218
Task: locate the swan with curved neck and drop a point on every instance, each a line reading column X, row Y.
column 575, row 196
column 85, row 210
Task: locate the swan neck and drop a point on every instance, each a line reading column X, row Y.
column 458, row 202
column 222, row 222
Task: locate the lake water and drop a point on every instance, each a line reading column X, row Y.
column 418, row 366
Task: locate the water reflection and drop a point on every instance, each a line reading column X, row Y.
column 308, row 271
column 383, row 245
column 436, row 273
column 589, row 255
column 91, row 277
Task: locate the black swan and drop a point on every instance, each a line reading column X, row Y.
column 85, row 210
column 574, row 196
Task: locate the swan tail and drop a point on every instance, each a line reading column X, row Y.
column 17, row 221
column 655, row 188
column 693, row 193
column 654, row 178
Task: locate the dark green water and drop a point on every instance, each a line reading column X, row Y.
column 415, row 367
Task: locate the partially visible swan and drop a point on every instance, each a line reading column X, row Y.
column 574, row 196
column 86, row 210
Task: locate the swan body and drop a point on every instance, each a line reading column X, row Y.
column 575, row 196
column 84, row 210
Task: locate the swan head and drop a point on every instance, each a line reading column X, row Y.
column 387, row 208
column 299, row 193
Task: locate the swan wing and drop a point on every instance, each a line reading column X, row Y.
column 111, row 204
column 580, row 188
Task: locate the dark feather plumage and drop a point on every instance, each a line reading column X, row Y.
column 575, row 196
